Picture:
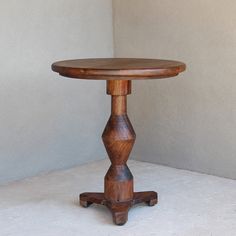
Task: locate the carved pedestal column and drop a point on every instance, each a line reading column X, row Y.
column 118, row 138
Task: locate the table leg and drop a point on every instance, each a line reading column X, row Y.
column 118, row 138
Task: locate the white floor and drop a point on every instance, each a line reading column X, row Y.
column 190, row 204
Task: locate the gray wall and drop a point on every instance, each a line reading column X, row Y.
column 189, row 122
column 49, row 122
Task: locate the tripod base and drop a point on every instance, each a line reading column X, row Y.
column 120, row 209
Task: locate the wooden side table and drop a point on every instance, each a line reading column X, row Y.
column 118, row 136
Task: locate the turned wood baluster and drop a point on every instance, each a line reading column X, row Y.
column 118, row 138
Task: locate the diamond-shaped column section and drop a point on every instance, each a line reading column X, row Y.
column 118, row 138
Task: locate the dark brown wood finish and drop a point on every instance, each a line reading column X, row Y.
column 118, row 68
column 118, row 136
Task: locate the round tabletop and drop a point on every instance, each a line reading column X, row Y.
column 118, row 68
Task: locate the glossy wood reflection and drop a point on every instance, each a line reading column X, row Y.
column 118, row 68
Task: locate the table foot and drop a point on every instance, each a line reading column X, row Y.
column 150, row 198
column 87, row 199
column 118, row 209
